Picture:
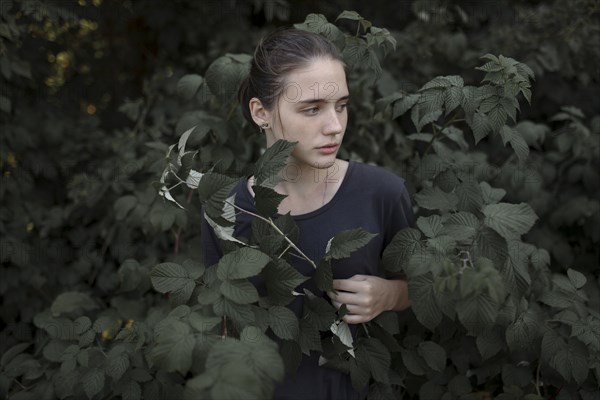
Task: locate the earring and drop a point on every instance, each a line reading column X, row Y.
column 263, row 127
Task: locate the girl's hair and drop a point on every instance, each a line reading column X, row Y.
column 277, row 55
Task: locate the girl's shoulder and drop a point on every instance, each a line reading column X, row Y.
column 375, row 178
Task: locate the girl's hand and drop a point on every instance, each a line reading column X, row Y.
column 367, row 296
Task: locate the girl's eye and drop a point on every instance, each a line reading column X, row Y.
column 343, row 106
column 312, row 110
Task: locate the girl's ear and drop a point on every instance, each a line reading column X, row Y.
column 259, row 113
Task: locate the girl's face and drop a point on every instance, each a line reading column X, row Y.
column 312, row 111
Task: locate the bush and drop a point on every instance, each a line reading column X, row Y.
column 503, row 257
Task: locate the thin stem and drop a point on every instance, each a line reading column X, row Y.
column 435, row 134
column 224, row 327
column 283, row 252
column 268, row 221
column 537, row 379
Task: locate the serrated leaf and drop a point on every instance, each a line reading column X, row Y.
column 521, row 334
column 174, row 345
column 203, row 323
column 241, row 314
column 241, row 263
column 477, row 313
column 433, row 198
column 577, row 278
column 241, row 291
column 404, row 104
column 72, row 302
column 117, row 364
column 273, row 160
column 489, row 343
column 423, row 301
column 318, row 311
column 281, row 279
column 342, row 331
column 324, row 276
column 373, row 355
column 352, row 15
column 173, row 278
column 344, row 243
column 93, row 382
column 284, row 322
column 461, row 226
column 267, row 200
column 509, row 220
column 124, row 205
column 224, row 75
column 491, row 195
column 431, row 226
column 398, row 252
column 433, row 354
column 188, row 85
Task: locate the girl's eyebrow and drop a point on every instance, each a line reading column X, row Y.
column 312, row 101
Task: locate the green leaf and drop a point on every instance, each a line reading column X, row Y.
column 284, row 322
column 509, row 220
column 292, row 355
column 521, row 334
column 203, row 323
column 174, row 345
column 281, row 279
column 577, row 278
column 344, row 243
column 352, row 15
column 93, row 382
column 237, row 381
column 12, row 352
column 213, row 190
column 188, row 85
column 571, row 362
column 324, row 276
column 477, row 313
column 267, row 200
column 318, row 311
column 469, row 195
column 433, row 198
column 480, row 125
column 423, row 301
column 241, row 314
column 342, row 331
column 431, row 226
column 241, row 263
column 72, row 302
column 433, row 354
column 173, row 278
column 491, row 195
column 519, row 145
column 124, row 205
column 240, row 291
column 398, row 252
column 271, row 162
column 461, row 226
column 489, row 342
column 373, row 355
column 225, row 74
column 117, row 364
column 404, row 104
column 309, row 336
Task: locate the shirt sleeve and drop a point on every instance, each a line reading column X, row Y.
column 211, row 250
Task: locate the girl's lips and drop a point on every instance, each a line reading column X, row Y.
column 327, row 149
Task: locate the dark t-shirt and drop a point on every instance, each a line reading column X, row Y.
column 369, row 197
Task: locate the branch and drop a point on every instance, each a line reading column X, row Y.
column 272, row 225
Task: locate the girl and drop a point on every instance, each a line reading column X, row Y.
column 296, row 90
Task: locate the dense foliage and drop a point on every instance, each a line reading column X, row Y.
column 103, row 293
